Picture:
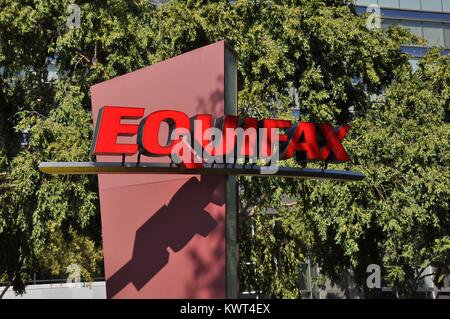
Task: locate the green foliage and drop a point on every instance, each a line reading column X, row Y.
column 48, row 222
column 36, row 201
column 398, row 216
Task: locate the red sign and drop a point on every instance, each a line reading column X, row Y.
column 225, row 137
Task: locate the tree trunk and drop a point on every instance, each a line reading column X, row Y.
column 5, row 290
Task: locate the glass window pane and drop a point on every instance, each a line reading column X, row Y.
column 414, row 27
column 386, row 23
column 410, row 4
column 446, row 5
column 389, row 3
column 432, row 5
column 447, row 35
column 414, row 64
column 434, row 33
column 366, row 2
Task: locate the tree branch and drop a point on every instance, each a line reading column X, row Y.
column 419, row 277
column 38, row 114
column 290, row 204
column 95, row 53
column 379, row 192
column 245, row 213
column 83, row 57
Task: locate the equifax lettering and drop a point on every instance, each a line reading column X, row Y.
column 201, row 139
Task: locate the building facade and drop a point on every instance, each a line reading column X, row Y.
column 429, row 19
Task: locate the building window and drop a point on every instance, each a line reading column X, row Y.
column 410, row 4
column 388, row 22
column 434, row 34
column 446, row 5
column 447, row 35
column 366, row 2
column 389, row 3
column 414, row 27
column 420, row 5
column 432, row 5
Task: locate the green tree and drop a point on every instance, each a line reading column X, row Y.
column 398, row 217
column 49, row 222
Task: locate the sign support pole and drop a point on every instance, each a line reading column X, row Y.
column 232, row 251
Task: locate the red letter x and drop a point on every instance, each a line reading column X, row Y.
column 334, row 137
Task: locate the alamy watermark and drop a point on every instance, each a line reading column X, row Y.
column 374, row 19
column 74, row 278
column 74, row 18
column 235, row 146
